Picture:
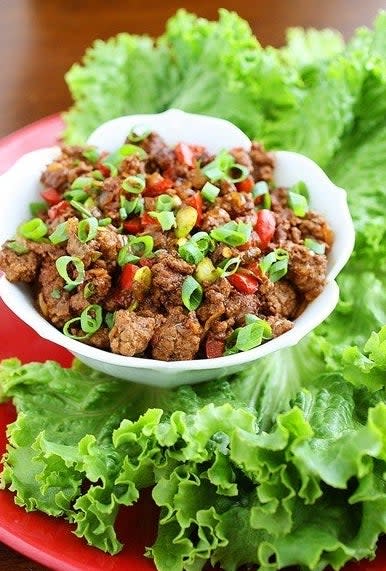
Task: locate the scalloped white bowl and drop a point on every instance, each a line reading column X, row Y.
column 20, row 185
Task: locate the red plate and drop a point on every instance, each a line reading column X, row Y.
column 50, row 541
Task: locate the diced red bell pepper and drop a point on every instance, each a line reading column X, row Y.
column 59, row 209
column 51, row 196
column 265, row 227
column 184, row 154
column 148, row 220
column 214, row 348
column 133, row 225
column 197, row 203
column 245, row 185
column 244, row 282
column 127, row 276
column 158, row 187
column 104, row 169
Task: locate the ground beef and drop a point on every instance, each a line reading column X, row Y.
column 118, row 298
column 307, row 270
column 178, row 338
column 109, row 198
column 214, row 217
column 18, row 267
column 286, row 228
column 279, row 298
column 168, row 275
column 263, row 163
column 234, row 202
column 53, row 300
column 98, row 283
column 160, row 155
column 131, row 333
column 239, row 304
column 100, row 339
column 279, row 325
column 108, row 242
column 85, row 252
column 66, row 168
column 315, row 226
column 214, row 304
column 131, row 165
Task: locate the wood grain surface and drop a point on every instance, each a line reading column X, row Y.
column 40, row 39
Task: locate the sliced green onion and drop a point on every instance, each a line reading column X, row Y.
column 76, row 194
column 267, row 201
column 210, row 192
column 165, row 202
column 278, row 270
column 142, row 246
column 67, row 327
column 62, row 265
column 134, row 206
column 191, row 293
column 203, row 241
column 260, row 189
column 97, row 175
column 89, row 290
column 138, row 133
column 229, row 267
column 37, row 208
column 91, row 318
column 219, row 167
column 191, row 253
column 104, row 221
column 275, row 264
column 301, row 188
column 238, row 172
column 315, row 246
column 118, row 156
column 80, row 208
column 91, row 155
column 17, row 247
column 250, row 318
column 248, row 337
column 134, row 184
column 126, row 257
column 34, row 229
column 267, row 262
column 298, row 204
column 60, row 234
column 206, row 272
column 87, row 229
column 82, row 182
column 110, row 319
column 232, row 233
column 167, row 220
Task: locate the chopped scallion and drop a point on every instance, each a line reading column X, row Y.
column 62, row 265
column 232, row 233
column 315, row 246
column 138, row 133
column 248, row 337
column 298, row 204
column 33, row 229
column 134, row 184
column 191, row 293
column 87, row 229
column 210, row 192
column 167, row 220
column 60, row 234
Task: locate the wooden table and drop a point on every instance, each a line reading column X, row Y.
column 40, row 39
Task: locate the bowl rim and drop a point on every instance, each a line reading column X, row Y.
column 327, row 299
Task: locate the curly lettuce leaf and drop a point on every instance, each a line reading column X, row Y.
column 125, row 75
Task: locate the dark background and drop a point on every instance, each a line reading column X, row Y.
column 40, row 39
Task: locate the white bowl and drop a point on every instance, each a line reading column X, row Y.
column 20, row 185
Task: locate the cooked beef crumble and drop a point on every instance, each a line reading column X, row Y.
column 170, row 253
